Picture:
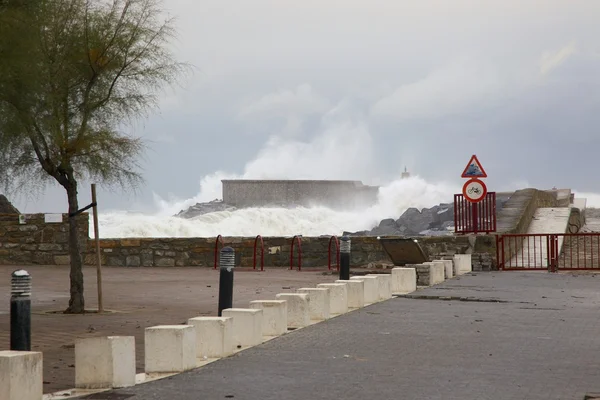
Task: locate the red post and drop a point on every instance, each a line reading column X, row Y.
column 294, row 240
column 262, row 253
column 475, row 224
column 219, row 239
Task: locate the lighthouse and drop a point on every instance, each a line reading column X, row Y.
column 405, row 174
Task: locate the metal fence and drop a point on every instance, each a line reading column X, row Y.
column 552, row 252
column 475, row 217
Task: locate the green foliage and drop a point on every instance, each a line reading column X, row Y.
column 72, row 72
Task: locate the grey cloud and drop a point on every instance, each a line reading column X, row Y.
column 358, row 89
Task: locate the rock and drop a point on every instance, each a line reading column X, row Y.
column 435, row 221
column 6, row 207
column 205, row 208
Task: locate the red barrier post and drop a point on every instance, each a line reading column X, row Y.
column 337, row 253
column 219, row 239
column 262, row 253
column 294, row 240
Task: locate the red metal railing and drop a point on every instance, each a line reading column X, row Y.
column 552, row 252
column 475, row 217
column 219, row 239
column 335, row 240
column 294, row 240
column 262, row 253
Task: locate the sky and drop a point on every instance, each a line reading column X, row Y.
column 359, row 89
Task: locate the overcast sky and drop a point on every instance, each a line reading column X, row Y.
column 355, row 89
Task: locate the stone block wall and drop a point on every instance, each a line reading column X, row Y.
column 38, row 242
column 199, row 252
column 481, row 247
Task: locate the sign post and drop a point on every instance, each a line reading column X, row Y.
column 474, row 190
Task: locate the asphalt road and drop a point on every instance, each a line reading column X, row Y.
column 491, row 336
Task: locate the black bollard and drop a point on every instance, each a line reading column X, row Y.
column 20, row 311
column 345, row 258
column 226, row 264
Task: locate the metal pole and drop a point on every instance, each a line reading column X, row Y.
column 20, row 311
column 345, row 258
column 226, row 264
column 98, row 257
column 475, row 217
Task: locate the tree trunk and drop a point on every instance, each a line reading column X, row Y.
column 76, row 302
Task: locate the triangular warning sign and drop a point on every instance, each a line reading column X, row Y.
column 474, row 169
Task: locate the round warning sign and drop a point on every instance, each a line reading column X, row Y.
column 474, row 190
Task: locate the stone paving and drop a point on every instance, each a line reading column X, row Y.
column 506, row 335
column 139, row 297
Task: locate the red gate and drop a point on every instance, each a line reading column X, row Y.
column 475, row 217
column 552, row 252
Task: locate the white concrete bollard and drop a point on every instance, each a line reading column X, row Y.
column 463, row 263
column 404, row 280
column 356, row 292
column 247, row 326
column 275, row 316
column 385, row 285
column 318, row 303
column 105, row 362
column 298, row 312
column 444, row 266
column 449, row 265
column 214, row 336
column 436, row 273
column 371, row 288
column 338, row 297
column 21, row 375
column 170, row 348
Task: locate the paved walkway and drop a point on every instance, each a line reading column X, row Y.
column 519, row 336
column 139, row 297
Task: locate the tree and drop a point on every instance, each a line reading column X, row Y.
column 72, row 73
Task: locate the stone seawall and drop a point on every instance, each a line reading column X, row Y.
column 200, row 252
column 33, row 241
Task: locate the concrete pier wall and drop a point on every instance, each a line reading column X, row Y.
column 329, row 193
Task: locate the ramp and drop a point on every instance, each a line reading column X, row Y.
column 533, row 252
column 403, row 251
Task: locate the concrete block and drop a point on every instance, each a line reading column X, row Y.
column 371, row 288
column 356, row 293
column 318, row 303
column 105, row 362
column 275, row 316
column 247, row 326
column 170, row 348
column 338, row 297
column 449, row 266
column 404, row 280
column 385, row 285
column 21, row 375
column 298, row 312
column 463, row 263
column 445, row 265
column 436, row 273
column 214, row 336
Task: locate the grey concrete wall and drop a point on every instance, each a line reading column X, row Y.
column 333, row 194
